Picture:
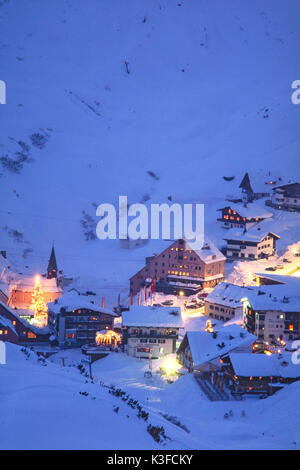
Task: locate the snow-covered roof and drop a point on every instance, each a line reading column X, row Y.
column 27, row 284
column 260, row 179
column 209, row 253
column 152, row 316
column 283, row 296
column 41, row 331
column 262, row 365
column 275, row 297
column 229, row 295
column 7, row 323
column 73, row 301
column 254, row 234
column 205, row 347
column 290, row 284
column 251, row 210
column 289, row 190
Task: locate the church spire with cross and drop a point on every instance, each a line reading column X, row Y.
column 52, row 265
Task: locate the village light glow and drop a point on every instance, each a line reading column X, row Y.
column 171, row 366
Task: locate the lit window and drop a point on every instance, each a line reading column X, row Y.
column 31, row 335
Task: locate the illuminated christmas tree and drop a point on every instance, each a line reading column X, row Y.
column 38, row 305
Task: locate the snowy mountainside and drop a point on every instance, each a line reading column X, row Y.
column 46, row 406
column 207, row 95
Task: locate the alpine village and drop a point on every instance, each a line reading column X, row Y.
column 233, row 329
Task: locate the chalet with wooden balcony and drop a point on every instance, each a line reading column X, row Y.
column 242, row 216
column 255, row 243
column 259, row 373
column 201, row 349
column 151, row 331
column 76, row 319
column 286, row 197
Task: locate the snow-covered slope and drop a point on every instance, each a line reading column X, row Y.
column 207, row 94
column 47, row 406
column 42, row 407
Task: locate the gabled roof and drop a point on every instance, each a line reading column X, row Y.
column 292, row 189
column 245, row 184
column 229, row 295
column 148, row 316
column 36, row 330
column 4, row 322
column 209, row 253
column 262, row 365
column 283, row 297
column 52, row 265
column 249, row 235
column 205, row 347
column 73, row 301
column 250, row 211
column 27, row 284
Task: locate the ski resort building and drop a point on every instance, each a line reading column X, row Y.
column 286, row 197
column 252, row 244
column 151, row 331
column 7, row 331
column 75, row 320
column 180, row 268
column 225, row 302
column 272, row 312
column 242, row 216
column 260, row 373
column 15, row 325
column 201, row 349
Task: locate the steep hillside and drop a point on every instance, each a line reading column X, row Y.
column 145, row 99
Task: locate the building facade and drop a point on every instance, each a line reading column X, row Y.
column 151, row 331
column 26, row 332
column 272, row 312
column 286, row 197
column 225, row 302
column 180, row 267
column 199, row 350
column 242, row 216
column 251, row 245
column 75, row 320
column 7, row 331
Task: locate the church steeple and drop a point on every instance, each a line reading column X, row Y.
column 52, row 265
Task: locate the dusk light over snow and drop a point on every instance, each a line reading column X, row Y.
column 149, row 227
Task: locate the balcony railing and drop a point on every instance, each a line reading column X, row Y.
column 158, row 335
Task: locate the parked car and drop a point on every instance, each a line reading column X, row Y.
column 202, row 296
column 271, row 268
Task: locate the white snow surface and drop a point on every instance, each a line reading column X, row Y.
column 203, row 77
column 153, row 316
column 42, row 408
